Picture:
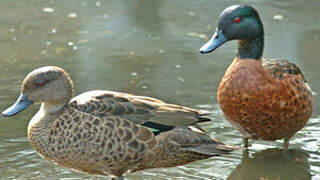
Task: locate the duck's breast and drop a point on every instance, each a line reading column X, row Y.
column 260, row 103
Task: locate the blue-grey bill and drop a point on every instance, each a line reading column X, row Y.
column 22, row 103
column 217, row 40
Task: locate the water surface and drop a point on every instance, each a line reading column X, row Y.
column 150, row 47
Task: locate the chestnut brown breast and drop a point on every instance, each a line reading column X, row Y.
column 265, row 100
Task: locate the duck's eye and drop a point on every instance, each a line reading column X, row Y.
column 237, row 19
column 41, row 84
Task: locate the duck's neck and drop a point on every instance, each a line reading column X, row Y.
column 43, row 119
column 251, row 48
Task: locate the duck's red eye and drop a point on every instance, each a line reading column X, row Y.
column 41, row 84
column 237, row 19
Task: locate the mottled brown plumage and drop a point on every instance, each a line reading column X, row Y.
column 104, row 132
column 264, row 99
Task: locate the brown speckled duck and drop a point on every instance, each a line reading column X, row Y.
column 264, row 99
column 110, row 133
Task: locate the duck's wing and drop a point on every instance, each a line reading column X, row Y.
column 279, row 68
column 194, row 139
column 284, row 69
column 181, row 146
column 143, row 110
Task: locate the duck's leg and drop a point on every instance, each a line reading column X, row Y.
column 286, row 143
column 246, row 142
column 245, row 153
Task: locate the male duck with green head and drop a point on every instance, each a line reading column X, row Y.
column 264, row 99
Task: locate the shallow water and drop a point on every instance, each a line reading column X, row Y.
column 150, row 47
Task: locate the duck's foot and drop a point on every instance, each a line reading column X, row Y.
column 286, row 143
column 246, row 142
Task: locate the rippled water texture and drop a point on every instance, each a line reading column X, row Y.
column 150, row 47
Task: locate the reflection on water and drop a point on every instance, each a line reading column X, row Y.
column 273, row 164
column 150, row 47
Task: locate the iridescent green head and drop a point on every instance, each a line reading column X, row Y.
column 238, row 22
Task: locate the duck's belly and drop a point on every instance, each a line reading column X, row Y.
column 263, row 107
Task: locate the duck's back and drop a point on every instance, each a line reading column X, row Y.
column 268, row 99
column 138, row 109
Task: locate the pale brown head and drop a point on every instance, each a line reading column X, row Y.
column 49, row 84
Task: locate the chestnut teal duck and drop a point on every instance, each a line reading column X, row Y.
column 264, row 99
column 110, row 133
